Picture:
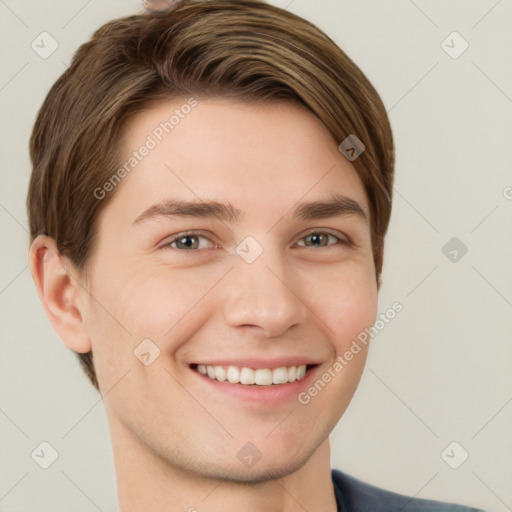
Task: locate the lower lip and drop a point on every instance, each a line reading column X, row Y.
column 274, row 395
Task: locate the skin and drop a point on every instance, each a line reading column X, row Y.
column 175, row 438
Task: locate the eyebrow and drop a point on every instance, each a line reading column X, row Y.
column 336, row 205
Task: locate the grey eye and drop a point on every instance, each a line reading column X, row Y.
column 320, row 240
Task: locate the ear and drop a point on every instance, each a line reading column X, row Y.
column 60, row 293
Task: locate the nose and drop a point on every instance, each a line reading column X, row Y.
column 263, row 295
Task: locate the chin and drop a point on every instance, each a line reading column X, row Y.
column 262, row 471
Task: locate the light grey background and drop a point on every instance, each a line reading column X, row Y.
column 439, row 372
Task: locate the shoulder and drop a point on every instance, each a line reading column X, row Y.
column 353, row 495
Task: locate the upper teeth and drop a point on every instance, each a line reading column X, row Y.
column 248, row 376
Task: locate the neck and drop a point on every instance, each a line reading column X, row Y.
column 146, row 481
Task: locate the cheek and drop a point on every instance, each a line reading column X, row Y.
column 162, row 299
column 140, row 302
column 346, row 300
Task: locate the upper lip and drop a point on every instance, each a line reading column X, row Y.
column 257, row 362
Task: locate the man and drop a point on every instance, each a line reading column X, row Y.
column 210, row 193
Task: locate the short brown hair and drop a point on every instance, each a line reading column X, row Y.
column 246, row 50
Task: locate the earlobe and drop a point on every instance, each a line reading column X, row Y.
column 59, row 293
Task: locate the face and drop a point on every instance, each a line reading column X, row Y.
column 240, row 240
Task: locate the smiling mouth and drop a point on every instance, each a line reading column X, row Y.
column 246, row 376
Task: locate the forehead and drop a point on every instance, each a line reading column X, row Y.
column 254, row 155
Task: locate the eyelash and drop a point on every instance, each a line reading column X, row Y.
column 339, row 241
